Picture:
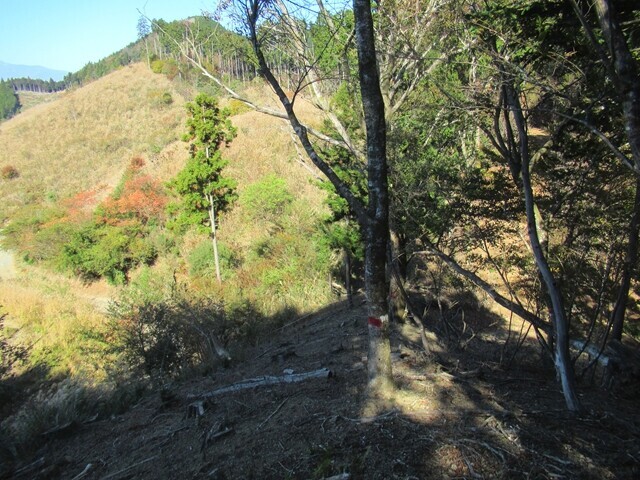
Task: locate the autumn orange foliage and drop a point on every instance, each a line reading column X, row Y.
column 142, row 199
column 80, row 206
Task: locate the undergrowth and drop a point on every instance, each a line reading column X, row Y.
column 106, row 221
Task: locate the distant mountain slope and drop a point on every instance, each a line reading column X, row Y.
column 9, row 70
column 85, row 138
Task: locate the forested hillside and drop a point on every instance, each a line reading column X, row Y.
column 470, row 171
column 490, row 138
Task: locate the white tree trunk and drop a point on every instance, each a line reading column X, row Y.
column 214, row 240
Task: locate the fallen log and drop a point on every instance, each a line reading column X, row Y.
column 615, row 355
column 266, row 380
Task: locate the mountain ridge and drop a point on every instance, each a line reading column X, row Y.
column 10, row 70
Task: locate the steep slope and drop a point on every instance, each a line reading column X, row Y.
column 460, row 418
column 86, row 138
column 78, row 146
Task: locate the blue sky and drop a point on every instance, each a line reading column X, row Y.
column 67, row 34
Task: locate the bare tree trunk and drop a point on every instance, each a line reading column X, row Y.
column 627, row 79
column 347, row 276
column 630, row 261
column 397, row 303
column 146, row 47
column 214, row 239
column 562, row 359
column 377, row 228
column 374, row 218
column 212, row 221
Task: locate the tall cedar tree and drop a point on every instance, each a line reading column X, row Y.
column 204, row 191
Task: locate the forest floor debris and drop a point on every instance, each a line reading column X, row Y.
column 460, row 415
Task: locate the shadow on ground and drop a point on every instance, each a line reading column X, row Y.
column 458, row 412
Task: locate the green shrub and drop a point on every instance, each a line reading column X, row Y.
column 160, row 98
column 107, row 251
column 167, row 99
column 157, row 66
column 49, row 241
column 267, row 199
column 202, row 263
column 236, row 107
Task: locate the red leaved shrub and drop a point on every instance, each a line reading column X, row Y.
column 9, row 172
column 142, row 199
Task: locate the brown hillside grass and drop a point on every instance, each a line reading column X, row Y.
column 31, row 99
column 78, row 146
column 87, row 137
column 263, row 146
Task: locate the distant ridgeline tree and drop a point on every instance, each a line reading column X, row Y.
column 219, row 49
column 9, row 103
column 134, row 52
column 204, row 192
column 24, row 84
column 144, row 29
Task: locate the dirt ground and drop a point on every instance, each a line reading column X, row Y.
column 459, row 412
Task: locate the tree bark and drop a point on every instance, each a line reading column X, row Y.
column 627, row 77
column 396, row 272
column 628, row 269
column 347, row 276
column 374, row 217
column 214, row 238
column 562, row 359
column 377, row 227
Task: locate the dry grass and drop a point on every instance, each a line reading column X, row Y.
column 57, row 318
column 87, row 136
column 31, row 99
column 263, row 146
column 83, row 141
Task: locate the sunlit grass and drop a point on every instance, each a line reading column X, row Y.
column 87, row 136
column 55, row 319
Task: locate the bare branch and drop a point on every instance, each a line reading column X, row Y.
column 491, row 291
column 197, row 62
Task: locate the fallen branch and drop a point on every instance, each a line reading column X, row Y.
column 615, row 354
column 593, row 351
column 533, row 319
column 266, row 381
column 115, row 474
column 272, row 413
column 84, row 472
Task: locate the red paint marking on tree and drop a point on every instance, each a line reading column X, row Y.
column 375, row 322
